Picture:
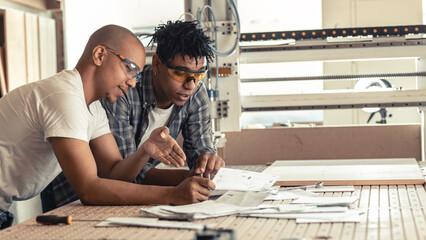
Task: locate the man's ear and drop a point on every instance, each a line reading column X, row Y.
column 156, row 63
column 99, row 55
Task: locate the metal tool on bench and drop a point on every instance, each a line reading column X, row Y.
column 316, row 185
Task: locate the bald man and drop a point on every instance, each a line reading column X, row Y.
column 60, row 120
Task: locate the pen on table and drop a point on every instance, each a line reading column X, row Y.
column 208, row 176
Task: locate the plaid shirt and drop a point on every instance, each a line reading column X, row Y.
column 128, row 120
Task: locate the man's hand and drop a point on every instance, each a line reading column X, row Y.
column 208, row 164
column 162, row 147
column 192, row 190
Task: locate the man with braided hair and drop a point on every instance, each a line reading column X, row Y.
column 170, row 94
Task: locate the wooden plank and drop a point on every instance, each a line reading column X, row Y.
column 406, row 212
column 41, row 5
column 16, row 67
column 276, row 225
column 323, row 142
column 348, row 231
column 324, row 229
column 279, row 227
column 48, row 63
column 3, row 86
column 241, row 225
column 288, row 230
column 226, row 222
column 408, row 222
column 300, row 230
column 373, row 214
column 256, row 228
column 38, row 4
column 397, row 227
column 347, row 172
column 417, row 197
column 312, row 231
column 266, row 229
column 420, row 189
column 413, row 197
column 336, row 228
column 384, row 214
column 348, row 228
column 420, row 222
column 403, row 196
column 32, row 47
column 58, row 15
column 361, row 228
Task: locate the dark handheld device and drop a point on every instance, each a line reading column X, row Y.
column 216, row 234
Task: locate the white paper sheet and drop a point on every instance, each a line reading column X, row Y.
column 242, row 199
column 291, row 194
column 292, row 208
column 151, row 222
column 241, row 180
column 327, row 201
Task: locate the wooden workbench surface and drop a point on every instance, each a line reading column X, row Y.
column 392, row 212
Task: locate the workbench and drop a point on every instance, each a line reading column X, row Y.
column 392, row 212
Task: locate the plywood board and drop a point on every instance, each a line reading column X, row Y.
column 47, row 33
column 32, row 50
column 16, row 66
column 323, row 142
column 347, row 171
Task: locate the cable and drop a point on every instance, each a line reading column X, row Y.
column 234, row 47
column 187, row 13
column 237, row 17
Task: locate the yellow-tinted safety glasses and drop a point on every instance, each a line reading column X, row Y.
column 184, row 75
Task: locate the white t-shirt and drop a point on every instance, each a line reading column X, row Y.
column 156, row 118
column 29, row 115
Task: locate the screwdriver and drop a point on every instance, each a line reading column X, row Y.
column 55, row 220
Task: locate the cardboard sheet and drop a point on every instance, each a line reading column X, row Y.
column 347, row 171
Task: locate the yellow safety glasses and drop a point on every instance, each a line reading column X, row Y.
column 184, row 75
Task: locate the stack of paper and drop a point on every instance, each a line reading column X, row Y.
column 196, row 211
column 244, row 191
column 232, row 202
column 311, row 210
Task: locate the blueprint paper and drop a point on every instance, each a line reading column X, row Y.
column 241, row 180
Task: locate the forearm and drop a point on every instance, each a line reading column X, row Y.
column 106, row 191
column 165, row 177
column 128, row 168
